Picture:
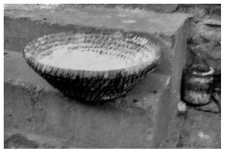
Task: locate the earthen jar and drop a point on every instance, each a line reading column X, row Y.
column 196, row 85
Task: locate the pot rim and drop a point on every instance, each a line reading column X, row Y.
column 201, row 70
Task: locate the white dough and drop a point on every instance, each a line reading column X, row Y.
column 77, row 59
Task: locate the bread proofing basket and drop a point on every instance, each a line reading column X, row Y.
column 92, row 65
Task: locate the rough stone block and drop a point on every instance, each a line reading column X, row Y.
column 138, row 120
column 24, row 23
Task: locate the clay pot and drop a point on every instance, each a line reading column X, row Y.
column 196, row 85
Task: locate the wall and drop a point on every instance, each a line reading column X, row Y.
column 204, row 39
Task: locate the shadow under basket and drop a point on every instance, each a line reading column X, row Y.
column 93, row 65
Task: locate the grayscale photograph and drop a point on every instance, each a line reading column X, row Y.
column 112, row 76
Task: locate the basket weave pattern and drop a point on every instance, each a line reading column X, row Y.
column 95, row 85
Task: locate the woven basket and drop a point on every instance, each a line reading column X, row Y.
column 140, row 56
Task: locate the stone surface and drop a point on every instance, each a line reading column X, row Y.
column 160, row 8
column 172, row 29
column 210, row 33
column 215, row 52
column 41, row 141
column 206, row 42
column 200, row 131
column 35, row 18
column 205, row 35
column 196, row 129
column 19, row 141
column 212, row 22
column 139, row 120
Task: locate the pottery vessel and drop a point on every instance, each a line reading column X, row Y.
column 196, row 85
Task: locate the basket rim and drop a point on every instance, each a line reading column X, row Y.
column 32, row 61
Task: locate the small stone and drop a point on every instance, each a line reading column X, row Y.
column 212, row 35
column 19, row 141
column 203, row 136
column 215, row 53
column 182, row 106
column 212, row 22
